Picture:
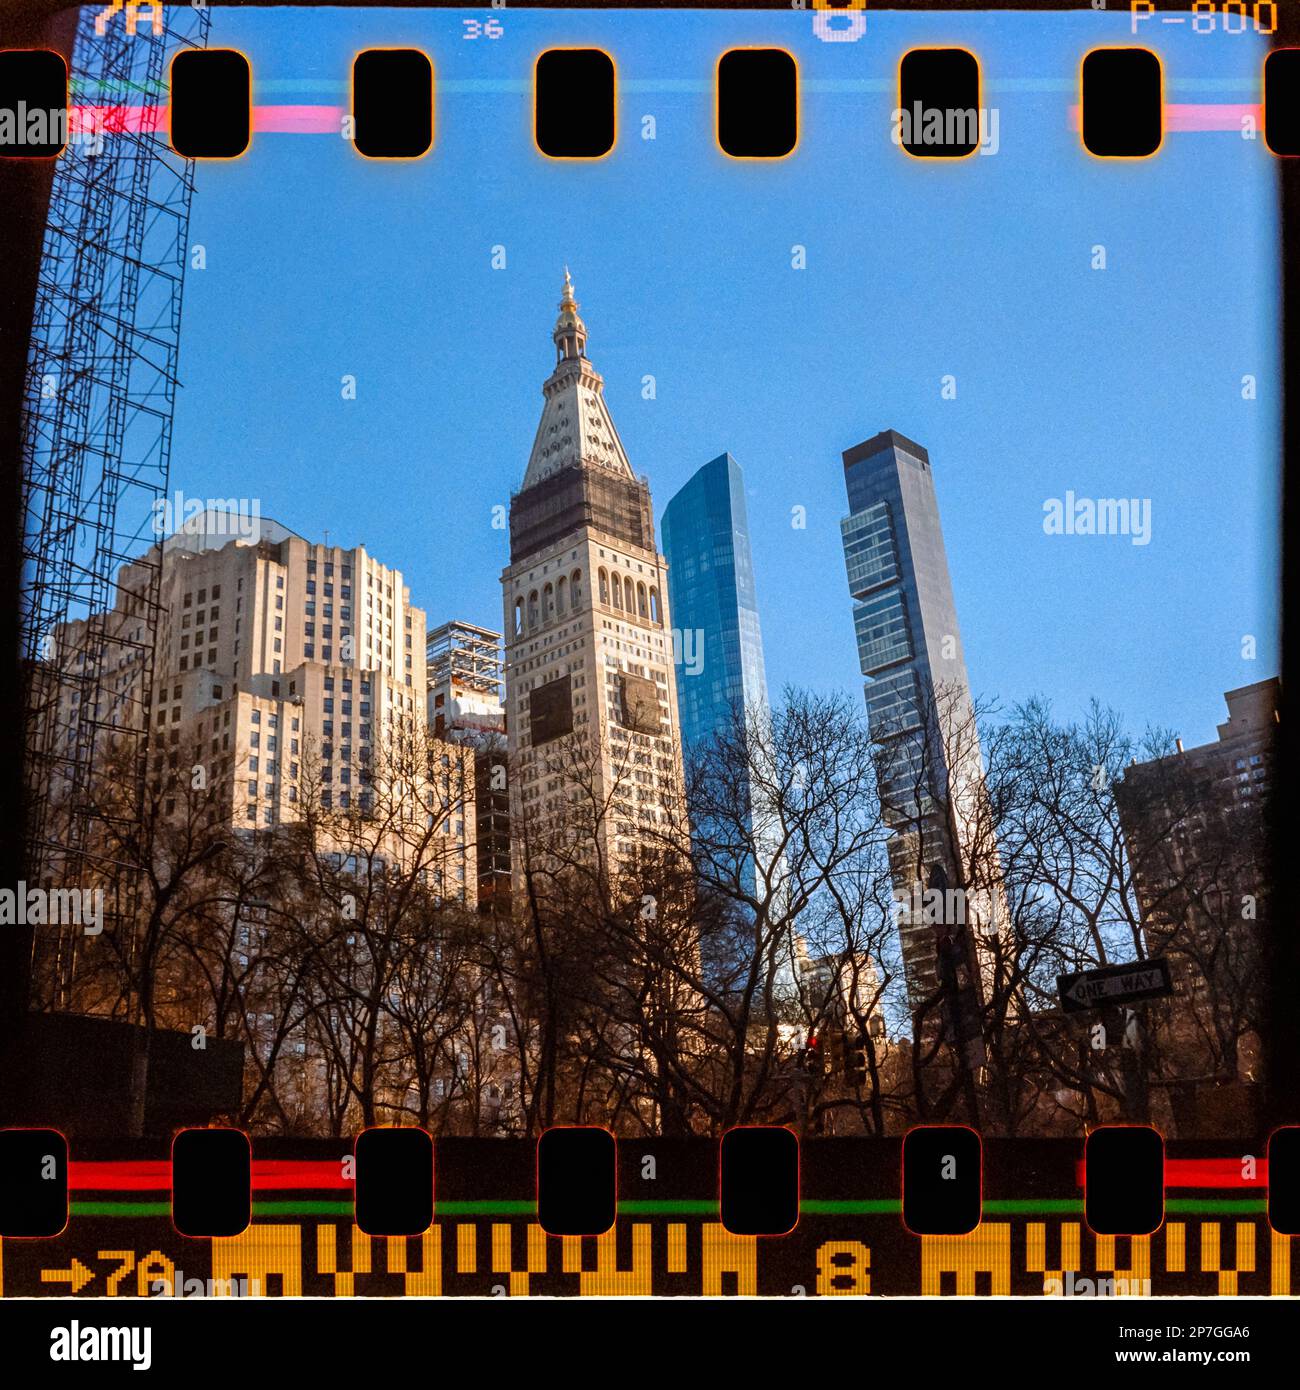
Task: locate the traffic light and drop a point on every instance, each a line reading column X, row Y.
column 814, row 1056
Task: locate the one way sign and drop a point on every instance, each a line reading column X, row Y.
column 1114, row 984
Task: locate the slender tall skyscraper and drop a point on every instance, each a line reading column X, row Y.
column 920, row 711
column 588, row 641
column 719, row 654
column 719, row 651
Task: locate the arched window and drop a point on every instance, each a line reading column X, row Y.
column 604, row 586
column 655, row 616
column 548, row 603
column 519, row 616
column 642, row 604
column 616, row 590
column 532, row 610
column 629, row 596
column 575, row 588
column 561, row 592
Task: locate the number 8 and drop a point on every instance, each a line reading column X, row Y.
column 850, row 9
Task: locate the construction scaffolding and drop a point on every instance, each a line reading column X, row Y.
column 465, row 656
column 101, row 388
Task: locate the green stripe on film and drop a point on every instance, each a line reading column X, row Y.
column 1030, row 1206
column 668, row 1208
column 1215, row 1206
column 1035, row 1206
column 121, row 1209
column 515, row 1208
column 881, row 1206
column 318, row 1207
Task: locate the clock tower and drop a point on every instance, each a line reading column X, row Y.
column 590, row 688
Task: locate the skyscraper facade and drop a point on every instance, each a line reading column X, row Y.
column 465, row 707
column 921, row 715
column 1196, row 826
column 588, row 656
column 292, row 668
column 719, row 647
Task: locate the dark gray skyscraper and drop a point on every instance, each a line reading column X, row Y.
column 920, row 712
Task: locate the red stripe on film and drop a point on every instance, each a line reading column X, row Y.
column 155, row 1175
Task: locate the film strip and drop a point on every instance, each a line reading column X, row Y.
column 212, row 111
column 759, row 1210
column 322, row 1221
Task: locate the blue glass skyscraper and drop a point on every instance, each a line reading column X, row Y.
column 719, row 646
column 712, row 601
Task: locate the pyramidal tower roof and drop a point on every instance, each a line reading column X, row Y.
column 576, row 429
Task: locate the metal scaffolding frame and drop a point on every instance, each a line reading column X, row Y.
column 100, row 392
column 467, row 655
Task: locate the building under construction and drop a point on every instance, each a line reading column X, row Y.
column 100, row 391
column 465, row 706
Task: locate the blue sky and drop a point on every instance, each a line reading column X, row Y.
column 1122, row 382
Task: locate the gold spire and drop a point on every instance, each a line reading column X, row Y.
column 570, row 333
